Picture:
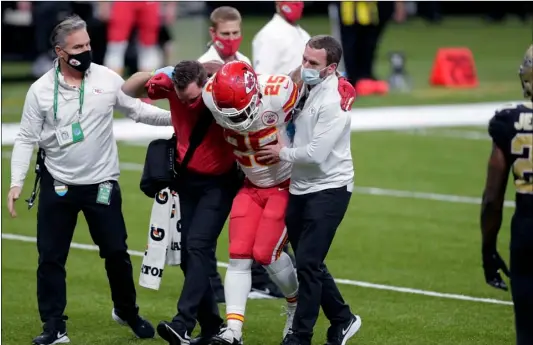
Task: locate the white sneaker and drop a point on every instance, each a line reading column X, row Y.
column 341, row 333
column 227, row 336
column 289, row 312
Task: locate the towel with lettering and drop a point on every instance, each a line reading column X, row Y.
column 164, row 239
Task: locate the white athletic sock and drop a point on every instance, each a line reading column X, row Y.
column 150, row 57
column 114, row 56
column 283, row 274
column 237, row 286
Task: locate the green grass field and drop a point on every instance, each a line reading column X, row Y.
column 408, row 241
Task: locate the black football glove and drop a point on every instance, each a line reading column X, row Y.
column 492, row 264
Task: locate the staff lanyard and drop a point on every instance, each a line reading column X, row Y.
column 56, row 92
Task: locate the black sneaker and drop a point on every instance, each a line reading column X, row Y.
column 51, row 335
column 140, row 327
column 339, row 334
column 174, row 333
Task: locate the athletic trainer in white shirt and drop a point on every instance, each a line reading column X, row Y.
column 68, row 113
column 320, row 190
column 278, row 47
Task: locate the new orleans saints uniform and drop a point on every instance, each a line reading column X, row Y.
column 511, row 130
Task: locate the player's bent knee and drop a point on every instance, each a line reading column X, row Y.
column 281, row 263
column 263, row 257
column 240, row 250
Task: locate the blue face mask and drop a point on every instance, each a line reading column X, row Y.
column 310, row 76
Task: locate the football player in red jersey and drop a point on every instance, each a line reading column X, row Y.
column 254, row 112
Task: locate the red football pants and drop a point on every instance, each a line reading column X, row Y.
column 143, row 14
column 257, row 223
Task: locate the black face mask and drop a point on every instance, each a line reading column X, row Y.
column 80, row 62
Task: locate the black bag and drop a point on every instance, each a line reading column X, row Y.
column 39, row 165
column 160, row 166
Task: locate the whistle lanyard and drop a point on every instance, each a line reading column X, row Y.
column 56, row 92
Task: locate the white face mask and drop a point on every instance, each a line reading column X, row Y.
column 311, row 76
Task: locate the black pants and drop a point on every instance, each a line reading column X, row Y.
column 56, row 219
column 312, row 221
column 522, row 276
column 359, row 43
column 205, row 205
column 131, row 58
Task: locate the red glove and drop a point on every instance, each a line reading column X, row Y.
column 159, row 86
column 347, row 93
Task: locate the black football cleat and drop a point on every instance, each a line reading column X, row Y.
column 140, row 327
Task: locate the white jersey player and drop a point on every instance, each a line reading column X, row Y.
column 254, row 112
column 278, row 95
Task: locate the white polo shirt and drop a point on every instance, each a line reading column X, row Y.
column 95, row 158
column 212, row 55
column 321, row 153
column 278, row 47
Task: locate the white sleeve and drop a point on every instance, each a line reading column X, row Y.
column 330, row 124
column 203, row 58
column 138, row 110
column 265, row 56
column 29, row 135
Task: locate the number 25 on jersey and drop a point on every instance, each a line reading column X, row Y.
column 246, row 144
column 273, row 85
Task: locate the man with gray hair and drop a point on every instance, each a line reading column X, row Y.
column 68, row 112
column 321, row 187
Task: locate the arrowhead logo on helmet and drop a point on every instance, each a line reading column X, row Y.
column 236, row 95
column 249, row 81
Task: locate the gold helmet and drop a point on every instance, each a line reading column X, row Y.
column 526, row 73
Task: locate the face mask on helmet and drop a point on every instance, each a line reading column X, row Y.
column 526, row 73
column 243, row 119
column 235, row 93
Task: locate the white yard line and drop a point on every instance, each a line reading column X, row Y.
column 91, row 247
column 444, row 133
column 128, row 166
column 426, row 196
column 380, row 191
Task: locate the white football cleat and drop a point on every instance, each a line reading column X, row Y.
column 289, row 312
column 227, row 336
